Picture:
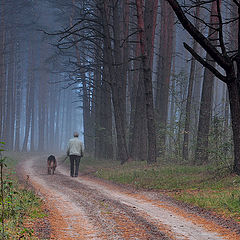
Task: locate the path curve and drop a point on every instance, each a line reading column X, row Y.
column 87, row 208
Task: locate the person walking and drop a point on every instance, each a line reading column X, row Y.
column 75, row 152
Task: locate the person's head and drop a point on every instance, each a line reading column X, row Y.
column 75, row 134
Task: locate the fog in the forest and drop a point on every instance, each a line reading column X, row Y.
column 129, row 87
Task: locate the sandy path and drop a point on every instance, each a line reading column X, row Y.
column 85, row 208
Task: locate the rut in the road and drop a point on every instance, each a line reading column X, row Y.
column 88, row 209
column 111, row 215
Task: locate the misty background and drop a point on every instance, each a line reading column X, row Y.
column 56, row 77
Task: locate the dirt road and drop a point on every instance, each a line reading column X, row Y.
column 87, row 208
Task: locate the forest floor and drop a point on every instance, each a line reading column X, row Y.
column 89, row 208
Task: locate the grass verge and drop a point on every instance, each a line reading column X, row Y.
column 21, row 205
column 207, row 186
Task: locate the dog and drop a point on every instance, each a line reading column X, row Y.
column 52, row 164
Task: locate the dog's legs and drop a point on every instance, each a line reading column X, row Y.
column 52, row 167
column 49, row 166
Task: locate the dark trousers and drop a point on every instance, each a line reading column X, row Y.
column 74, row 165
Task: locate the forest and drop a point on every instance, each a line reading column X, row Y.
column 154, row 81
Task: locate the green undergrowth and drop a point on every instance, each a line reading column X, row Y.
column 220, row 194
column 21, row 205
column 210, row 187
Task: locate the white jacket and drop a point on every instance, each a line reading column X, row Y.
column 75, row 147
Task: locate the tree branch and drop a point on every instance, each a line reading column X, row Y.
column 221, row 41
column 223, row 61
column 205, row 63
column 236, row 2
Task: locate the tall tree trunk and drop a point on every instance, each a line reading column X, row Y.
column 57, row 124
column 29, row 98
column 196, row 98
column 189, row 94
column 86, row 105
column 28, row 115
column 18, row 113
column 106, row 121
column 42, row 98
column 104, row 147
column 92, row 95
column 146, row 25
column 98, row 76
column 139, row 145
column 120, row 68
column 226, row 112
column 172, row 116
column 52, row 114
column 234, row 100
column 163, row 75
column 2, row 68
column 32, row 145
column 9, row 114
column 115, row 77
column 62, row 123
column 18, row 99
column 126, row 64
column 201, row 153
column 86, row 114
column 32, row 100
column 138, row 126
column 133, row 86
column 125, row 52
